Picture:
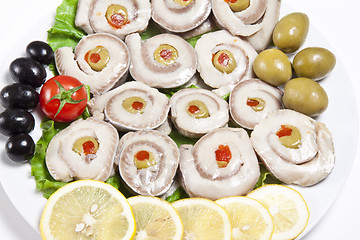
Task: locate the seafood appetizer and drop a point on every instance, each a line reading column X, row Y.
column 148, row 161
column 196, row 112
column 100, row 61
column 86, row 149
column 163, row 61
column 254, row 19
column 295, row 148
column 252, row 100
column 117, row 17
column 180, row 15
column 222, row 163
column 224, row 60
column 131, row 106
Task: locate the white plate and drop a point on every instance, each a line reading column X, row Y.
column 19, row 185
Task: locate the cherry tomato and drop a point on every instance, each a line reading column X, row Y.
column 63, row 98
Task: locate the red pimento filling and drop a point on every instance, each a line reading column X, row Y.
column 95, row 57
column 193, row 109
column 142, row 155
column 252, row 102
column 231, row 1
column 284, row 131
column 137, row 105
column 89, row 147
column 223, row 59
column 118, row 20
column 165, row 54
column 223, row 155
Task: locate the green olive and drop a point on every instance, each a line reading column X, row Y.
column 117, row 15
column 273, row 67
column 197, row 109
column 86, row 145
column 257, row 104
column 306, row 96
column 166, row 54
column 134, row 105
column 144, row 159
column 97, row 58
column 289, row 136
column 314, row 63
column 224, row 61
column 238, row 5
column 291, row 31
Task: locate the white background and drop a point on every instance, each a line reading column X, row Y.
column 339, row 21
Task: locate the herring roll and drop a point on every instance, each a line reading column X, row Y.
column 180, row 15
column 262, row 38
column 252, row 100
column 222, row 163
column 224, row 59
column 294, row 147
column 100, row 61
column 86, row 149
column 131, row 106
column 117, row 17
column 239, row 18
column 148, row 161
column 163, row 61
column 196, row 112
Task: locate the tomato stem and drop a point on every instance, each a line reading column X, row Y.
column 64, row 96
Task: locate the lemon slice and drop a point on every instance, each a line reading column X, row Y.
column 155, row 219
column 87, row 209
column 203, row 219
column 249, row 218
column 287, row 207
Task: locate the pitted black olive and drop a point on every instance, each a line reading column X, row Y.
column 27, row 71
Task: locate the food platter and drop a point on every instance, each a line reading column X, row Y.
column 17, row 181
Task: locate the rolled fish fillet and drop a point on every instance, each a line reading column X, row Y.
column 100, row 61
column 148, row 161
column 262, row 38
column 196, row 112
column 180, row 15
column 223, row 59
column 294, row 147
column 117, row 17
column 131, row 106
column 239, row 20
column 222, row 163
column 163, row 61
column 86, row 149
column 252, row 100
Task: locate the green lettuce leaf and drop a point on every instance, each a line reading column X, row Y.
column 43, row 179
column 180, row 139
column 64, row 32
column 152, row 30
column 171, row 91
column 266, row 177
column 193, row 40
column 178, row 194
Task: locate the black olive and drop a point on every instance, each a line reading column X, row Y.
column 15, row 121
column 20, row 148
column 40, row 51
column 27, row 71
column 19, row 95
